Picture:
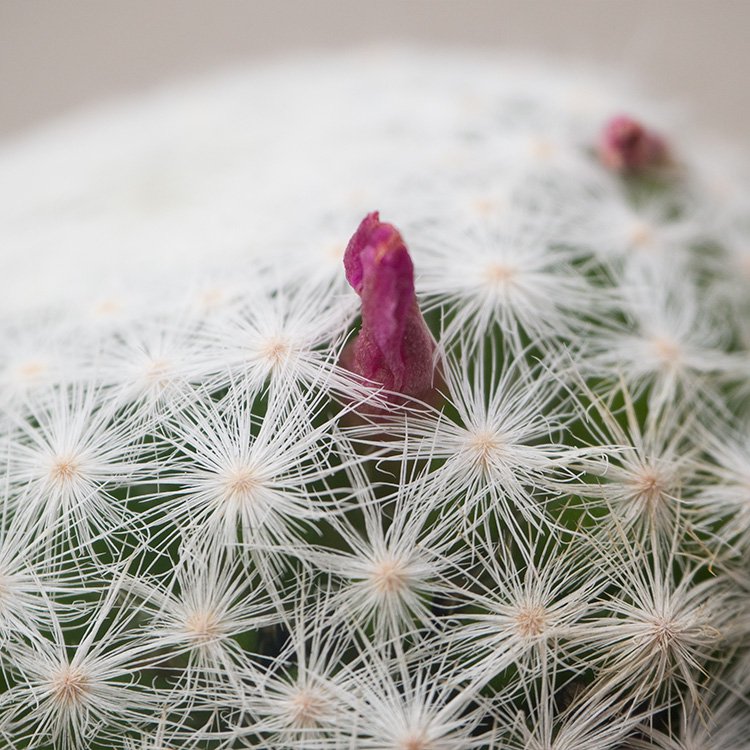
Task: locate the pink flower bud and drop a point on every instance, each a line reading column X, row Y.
column 626, row 145
column 394, row 346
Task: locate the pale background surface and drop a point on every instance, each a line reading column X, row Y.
column 57, row 55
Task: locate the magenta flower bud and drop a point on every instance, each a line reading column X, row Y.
column 394, row 346
column 626, row 145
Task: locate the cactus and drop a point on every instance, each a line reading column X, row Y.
column 492, row 493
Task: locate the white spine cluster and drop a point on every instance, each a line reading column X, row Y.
column 206, row 542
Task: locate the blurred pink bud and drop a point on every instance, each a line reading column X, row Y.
column 626, row 145
column 394, row 346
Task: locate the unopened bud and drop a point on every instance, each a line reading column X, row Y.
column 394, row 347
column 626, row 145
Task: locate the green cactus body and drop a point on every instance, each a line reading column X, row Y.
column 504, row 504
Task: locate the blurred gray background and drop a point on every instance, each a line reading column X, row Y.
column 59, row 55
